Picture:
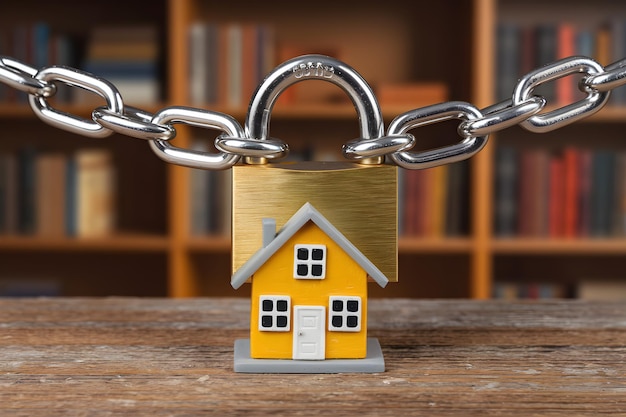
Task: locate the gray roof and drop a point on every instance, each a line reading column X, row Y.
column 306, row 213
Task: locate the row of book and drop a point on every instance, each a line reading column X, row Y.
column 228, row 61
column 210, row 191
column 54, row 194
column 37, row 45
column 431, row 203
column 511, row 290
column 522, row 48
column 434, row 202
column 573, row 193
column 589, row 289
column 129, row 57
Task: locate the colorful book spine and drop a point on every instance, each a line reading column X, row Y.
column 53, row 194
column 228, row 61
column 506, row 191
column 435, row 202
column 573, row 193
column 39, row 46
column 128, row 57
column 523, row 47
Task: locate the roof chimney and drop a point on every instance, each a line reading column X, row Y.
column 269, row 231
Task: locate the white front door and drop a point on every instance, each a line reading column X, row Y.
column 309, row 333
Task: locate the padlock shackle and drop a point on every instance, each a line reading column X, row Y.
column 314, row 67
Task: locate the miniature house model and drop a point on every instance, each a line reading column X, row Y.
column 309, row 300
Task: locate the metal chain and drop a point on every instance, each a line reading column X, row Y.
column 475, row 126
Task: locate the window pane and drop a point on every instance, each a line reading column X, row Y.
column 316, row 270
column 303, row 270
column 303, row 254
column 353, row 306
column 281, row 305
column 344, row 313
column 268, row 305
column 317, row 254
column 266, row 321
column 281, row 321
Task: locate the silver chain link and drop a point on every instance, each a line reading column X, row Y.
column 476, row 125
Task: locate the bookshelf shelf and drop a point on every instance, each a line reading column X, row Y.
column 20, row 111
column 437, row 245
column 609, row 114
column 115, row 243
column 405, row 245
column 547, row 247
column 315, row 111
column 209, row 244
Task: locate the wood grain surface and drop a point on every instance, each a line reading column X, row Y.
column 166, row 357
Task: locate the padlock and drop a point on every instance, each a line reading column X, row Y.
column 359, row 199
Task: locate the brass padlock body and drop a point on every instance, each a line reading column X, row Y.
column 359, row 200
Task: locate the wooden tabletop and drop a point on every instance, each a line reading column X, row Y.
column 165, row 357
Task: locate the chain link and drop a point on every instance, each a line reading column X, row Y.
column 523, row 109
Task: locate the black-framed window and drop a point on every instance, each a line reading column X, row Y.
column 344, row 314
column 274, row 313
column 309, row 261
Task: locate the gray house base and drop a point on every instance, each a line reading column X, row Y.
column 373, row 363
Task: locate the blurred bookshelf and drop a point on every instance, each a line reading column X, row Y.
column 168, row 228
column 558, row 199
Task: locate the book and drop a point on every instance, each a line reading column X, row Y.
column 571, row 191
column 508, row 63
column 227, row 61
column 618, row 52
column 506, row 195
column 437, row 199
column 26, row 191
column 602, row 192
column 9, row 185
column 210, row 193
column 95, row 180
column 601, row 289
column 128, row 57
column 515, row 290
column 50, row 194
column 457, row 190
column 415, row 202
column 618, row 221
column 545, row 53
column 527, row 193
column 533, row 193
column 71, row 198
column 566, row 47
column 584, row 192
column 201, row 63
column 557, row 197
column 541, row 187
column 200, row 183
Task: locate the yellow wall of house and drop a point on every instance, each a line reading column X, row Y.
column 344, row 277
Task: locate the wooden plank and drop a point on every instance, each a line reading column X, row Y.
column 116, row 243
column 482, row 164
column 164, row 357
column 605, row 246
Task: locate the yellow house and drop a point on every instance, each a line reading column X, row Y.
column 309, row 291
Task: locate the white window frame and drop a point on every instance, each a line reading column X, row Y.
column 274, row 313
column 344, row 314
column 309, row 262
